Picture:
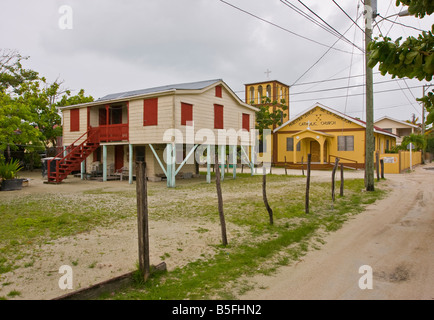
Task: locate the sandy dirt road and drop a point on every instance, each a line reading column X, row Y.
column 394, row 236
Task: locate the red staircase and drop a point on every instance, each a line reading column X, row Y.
column 75, row 155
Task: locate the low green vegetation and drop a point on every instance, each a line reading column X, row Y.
column 28, row 221
column 267, row 248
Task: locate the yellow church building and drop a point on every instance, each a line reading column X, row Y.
column 326, row 134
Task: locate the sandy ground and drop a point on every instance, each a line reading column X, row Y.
column 394, row 237
column 103, row 253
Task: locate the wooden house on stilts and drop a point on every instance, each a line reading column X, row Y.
column 170, row 127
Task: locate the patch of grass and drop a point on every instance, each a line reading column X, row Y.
column 32, row 220
column 270, row 247
column 14, row 293
column 36, row 219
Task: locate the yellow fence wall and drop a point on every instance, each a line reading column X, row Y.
column 399, row 162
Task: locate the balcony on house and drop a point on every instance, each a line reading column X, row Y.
column 112, row 122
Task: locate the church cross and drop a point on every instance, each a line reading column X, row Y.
column 308, row 124
column 268, row 73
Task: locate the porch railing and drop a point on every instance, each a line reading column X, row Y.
column 113, row 132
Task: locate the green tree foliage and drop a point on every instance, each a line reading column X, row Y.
column 270, row 114
column 417, row 140
column 12, row 73
column 430, row 143
column 29, row 113
column 418, row 8
column 412, row 58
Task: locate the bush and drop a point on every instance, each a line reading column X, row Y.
column 9, row 170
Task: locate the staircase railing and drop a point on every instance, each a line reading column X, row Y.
column 92, row 137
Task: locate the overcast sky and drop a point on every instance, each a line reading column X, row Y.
column 117, row 46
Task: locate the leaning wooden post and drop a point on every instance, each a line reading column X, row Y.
column 286, row 171
column 377, row 165
column 302, row 165
column 342, row 181
column 142, row 218
column 264, row 194
column 333, row 178
column 307, row 184
column 220, row 201
column 382, row 168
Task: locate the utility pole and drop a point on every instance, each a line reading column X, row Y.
column 370, row 13
column 423, row 119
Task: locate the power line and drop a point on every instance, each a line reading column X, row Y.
column 305, row 15
column 280, row 27
column 355, row 23
column 322, row 56
column 401, row 24
column 328, row 80
column 355, row 94
column 345, row 87
column 338, row 33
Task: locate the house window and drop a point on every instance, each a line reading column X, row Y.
column 150, row 112
column 218, row 91
column 387, row 145
column 75, row 120
column 346, row 143
column 246, row 121
column 186, row 113
column 218, row 116
column 290, row 145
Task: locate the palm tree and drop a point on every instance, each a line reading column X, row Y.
column 417, row 140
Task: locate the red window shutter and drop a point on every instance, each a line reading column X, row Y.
column 218, row 91
column 75, row 120
column 150, row 112
column 218, row 116
column 246, row 121
column 186, row 113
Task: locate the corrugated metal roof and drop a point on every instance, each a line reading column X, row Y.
column 180, row 86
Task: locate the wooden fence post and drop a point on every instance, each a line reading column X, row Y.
column 333, row 178
column 142, row 218
column 286, row 170
column 264, row 194
column 302, row 165
column 220, row 201
column 377, row 164
column 382, row 168
column 306, row 206
column 342, row 181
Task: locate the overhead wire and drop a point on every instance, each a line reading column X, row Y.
column 355, row 23
column 338, row 33
column 345, row 87
column 308, row 17
column 280, row 27
column 357, row 94
column 334, row 79
column 320, row 58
